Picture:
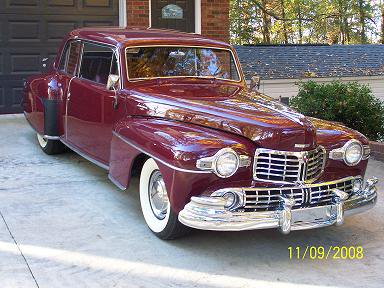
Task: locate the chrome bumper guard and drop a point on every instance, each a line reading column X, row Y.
column 209, row 212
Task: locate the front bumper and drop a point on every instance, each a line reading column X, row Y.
column 209, row 213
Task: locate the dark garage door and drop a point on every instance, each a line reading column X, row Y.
column 31, row 30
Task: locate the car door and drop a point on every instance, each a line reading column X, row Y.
column 67, row 70
column 89, row 107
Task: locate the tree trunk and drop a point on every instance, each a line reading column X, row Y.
column 382, row 22
column 266, row 24
column 363, row 36
column 300, row 22
column 341, row 21
column 285, row 33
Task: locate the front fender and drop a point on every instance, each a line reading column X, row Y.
column 175, row 146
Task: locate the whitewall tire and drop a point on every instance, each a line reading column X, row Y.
column 49, row 146
column 155, row 205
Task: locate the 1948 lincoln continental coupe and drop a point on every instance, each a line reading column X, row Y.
column 211, row 153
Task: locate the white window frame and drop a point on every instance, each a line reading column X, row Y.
column 123, row 13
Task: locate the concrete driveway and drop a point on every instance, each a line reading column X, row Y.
column 65, row 225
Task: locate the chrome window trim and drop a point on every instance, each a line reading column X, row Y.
column 241, row 76
column 115, row 51
column 156, row 158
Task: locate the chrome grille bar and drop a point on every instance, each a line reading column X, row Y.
column 288, row 167
column 264, row 199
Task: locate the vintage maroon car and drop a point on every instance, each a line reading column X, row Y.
column 212, row 153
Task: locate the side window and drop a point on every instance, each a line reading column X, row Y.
column 69, row 58
column 97, row 63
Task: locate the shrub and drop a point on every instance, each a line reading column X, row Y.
column 353, row 104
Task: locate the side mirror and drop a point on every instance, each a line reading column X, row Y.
column 255, row 82
column 113, row 81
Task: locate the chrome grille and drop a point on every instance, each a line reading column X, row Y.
column 285, row 166
column 265, row 199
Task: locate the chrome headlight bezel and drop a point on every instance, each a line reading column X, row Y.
column 211, row 163
column 349, row 145
column 341, row 153
column 222, row 153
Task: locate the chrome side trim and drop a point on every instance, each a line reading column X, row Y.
column 51, row 137
column 84, row 155
column 156, row 158
column 366, row 152
column 114, row 181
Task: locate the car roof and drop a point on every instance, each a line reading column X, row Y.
column 124, row 37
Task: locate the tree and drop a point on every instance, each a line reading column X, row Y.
column 306, row 21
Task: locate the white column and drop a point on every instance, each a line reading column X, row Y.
column 198, row 16
column 122, row 13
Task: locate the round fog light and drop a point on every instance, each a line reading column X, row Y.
column 230, row 199
column 357, row 185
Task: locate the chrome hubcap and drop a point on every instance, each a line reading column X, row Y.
column 158, row 196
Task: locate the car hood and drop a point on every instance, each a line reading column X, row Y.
column 231, row 108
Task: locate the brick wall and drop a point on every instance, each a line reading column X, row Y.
column 214, row 17
column 138, row 13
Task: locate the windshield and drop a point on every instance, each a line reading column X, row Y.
column 155, row 62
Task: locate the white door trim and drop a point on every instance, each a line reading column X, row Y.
column 197, row 15
column 123, row 13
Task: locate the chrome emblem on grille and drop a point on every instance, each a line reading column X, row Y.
column 302, row 145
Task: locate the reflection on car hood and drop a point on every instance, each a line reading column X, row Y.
column 232, row 108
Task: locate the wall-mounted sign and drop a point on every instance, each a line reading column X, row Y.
column 172, row 11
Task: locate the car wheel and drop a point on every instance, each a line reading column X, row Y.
column 155, row 205
column 50, row 147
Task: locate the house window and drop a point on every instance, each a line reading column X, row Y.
column 172, row 11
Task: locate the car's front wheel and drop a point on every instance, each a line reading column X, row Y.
column 155, row 205
column 49, row 146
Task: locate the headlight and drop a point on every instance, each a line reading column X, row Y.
column 353, row 152
column 226, row 163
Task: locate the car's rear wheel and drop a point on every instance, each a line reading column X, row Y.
column 49, row 146
column 155, row 205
